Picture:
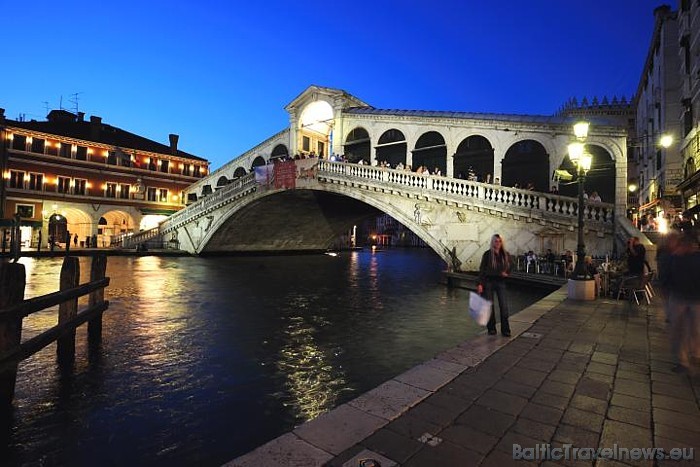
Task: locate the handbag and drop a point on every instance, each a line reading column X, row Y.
column 479, row 308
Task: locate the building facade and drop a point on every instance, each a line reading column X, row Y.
column 68, row 176
column 657, row 105
column 689, row 70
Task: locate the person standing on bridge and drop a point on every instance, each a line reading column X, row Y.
column 494, row 268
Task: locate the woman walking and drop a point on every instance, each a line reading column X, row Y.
column 494, row 268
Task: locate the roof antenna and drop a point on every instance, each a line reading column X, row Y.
column 46, row 106
column 75, row 100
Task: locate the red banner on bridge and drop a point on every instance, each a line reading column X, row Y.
column 285, row 174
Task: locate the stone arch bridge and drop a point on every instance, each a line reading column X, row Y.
column 319, row 200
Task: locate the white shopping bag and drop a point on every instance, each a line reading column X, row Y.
column 479, row 308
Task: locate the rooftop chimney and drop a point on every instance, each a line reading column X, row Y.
column 95, row 127
column 81, row 116
column 2, row 115
column 173, row 143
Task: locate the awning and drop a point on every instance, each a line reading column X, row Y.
column 649, row 205
column 22, row 223
column 165, row 212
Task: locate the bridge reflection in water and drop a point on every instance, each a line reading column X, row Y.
column 204, row 359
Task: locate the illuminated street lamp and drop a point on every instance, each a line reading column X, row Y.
column 582, row 160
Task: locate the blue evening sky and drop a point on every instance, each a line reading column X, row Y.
column 219, row 73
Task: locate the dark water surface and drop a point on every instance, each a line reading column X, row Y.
column 203, row 359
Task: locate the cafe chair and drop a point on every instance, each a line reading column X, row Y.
column 631, row 286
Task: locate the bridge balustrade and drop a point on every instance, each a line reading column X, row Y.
column 487, row 194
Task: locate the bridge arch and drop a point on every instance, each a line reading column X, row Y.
column 526, row 161
column 358, row 145
column 392, row 148
column 431, row 151
column 376, row 203
column 239, row 172
column 222, row 181
column 475, row 152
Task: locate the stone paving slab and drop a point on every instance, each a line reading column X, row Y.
column 389, row 399
column 339, row 429
column 587, row 373
column 287, row 450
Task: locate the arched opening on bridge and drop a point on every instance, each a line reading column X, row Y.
column 357, row 146
column 315, row 125
column 257, row 162
column 113, row 223
column 431, row 152
column 279, row 151
column 222, row 181
column 601, row 177
column 474, row 155
column 526, row 162
column 392, row 148
column 239, row 172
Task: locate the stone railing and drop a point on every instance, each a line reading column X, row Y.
column 131, row 240
column 456, row 190
column 221, row 196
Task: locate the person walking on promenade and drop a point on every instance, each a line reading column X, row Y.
column 665, row 251
column 494, row 268
column 684, row 302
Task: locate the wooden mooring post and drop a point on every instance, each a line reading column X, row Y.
column 12, row 282
column 13, row 308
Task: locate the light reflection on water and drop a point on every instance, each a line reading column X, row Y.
column 204, row 359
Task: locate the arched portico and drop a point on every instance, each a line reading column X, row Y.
column 358, row 146
column 431, row 152
column 474, row 155
column 314, row 130
column 526, row 162
column 601, row 178
column 258, row 162
column 391, row 148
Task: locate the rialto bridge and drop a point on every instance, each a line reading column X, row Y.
column 232, row 211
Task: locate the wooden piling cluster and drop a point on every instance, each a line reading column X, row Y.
column 13, row 308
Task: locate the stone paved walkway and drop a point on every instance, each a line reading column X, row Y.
column 590, row 374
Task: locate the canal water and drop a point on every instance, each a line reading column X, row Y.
column 203, row 359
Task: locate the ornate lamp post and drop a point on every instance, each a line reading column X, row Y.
column 582, row 161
